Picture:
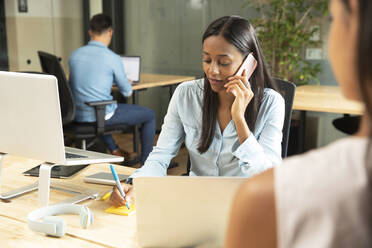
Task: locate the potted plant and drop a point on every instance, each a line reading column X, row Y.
column 285, row 29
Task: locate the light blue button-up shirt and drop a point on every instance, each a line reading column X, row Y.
column 225, row 156
column 93, row 70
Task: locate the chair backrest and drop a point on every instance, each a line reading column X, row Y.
column 287, row 90
column 51, row 65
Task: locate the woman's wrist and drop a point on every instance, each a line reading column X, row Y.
column 242, row 129
column 238, row 118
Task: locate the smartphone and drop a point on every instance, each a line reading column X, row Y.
column 249, row 64
column 104, row 178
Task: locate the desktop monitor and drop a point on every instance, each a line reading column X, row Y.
column 31, row 123
column 132, row 67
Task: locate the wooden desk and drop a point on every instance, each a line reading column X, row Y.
column 108, row 230
column 322, row 98
column 156, row 80
column 15, row 233
column 148, row 80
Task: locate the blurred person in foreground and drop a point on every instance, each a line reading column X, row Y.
column 321, row 198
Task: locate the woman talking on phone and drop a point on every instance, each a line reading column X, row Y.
column 231, row 126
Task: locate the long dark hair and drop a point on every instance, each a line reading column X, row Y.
column 363, row 65
column 364, row 55
column 240, row 33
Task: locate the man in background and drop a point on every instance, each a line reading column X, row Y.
column 93, row 70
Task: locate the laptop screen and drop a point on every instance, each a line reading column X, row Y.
column 183, row 211
column 132, row 65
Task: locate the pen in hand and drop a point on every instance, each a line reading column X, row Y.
column 118, row 185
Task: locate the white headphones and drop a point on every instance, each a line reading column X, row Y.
column 53, row 225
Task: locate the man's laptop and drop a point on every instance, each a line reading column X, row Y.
column 183, row 211
column 132, row 67
column 31, row 124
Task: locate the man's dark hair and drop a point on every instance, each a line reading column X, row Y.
column 100, row 23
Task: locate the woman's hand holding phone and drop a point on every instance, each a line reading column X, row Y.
column 239, row 87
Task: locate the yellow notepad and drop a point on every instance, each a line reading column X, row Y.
column 123, row 210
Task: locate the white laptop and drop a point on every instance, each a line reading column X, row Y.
column 132, row 67
column 183, row 211
column 31, row 124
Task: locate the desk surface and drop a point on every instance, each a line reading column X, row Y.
column 321, row 98
column 108, row 230
column 156, row 80
column 15, row 233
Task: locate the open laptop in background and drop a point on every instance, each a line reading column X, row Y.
column 183, row 211
column 132, row 67
column 31, row 124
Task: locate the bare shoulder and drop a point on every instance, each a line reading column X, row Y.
column 256, row 191
column 258, row 185
column 252, row 216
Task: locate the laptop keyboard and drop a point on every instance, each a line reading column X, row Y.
column 72, row 155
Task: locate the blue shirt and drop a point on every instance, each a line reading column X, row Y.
column 93, row 70
column 225, row 156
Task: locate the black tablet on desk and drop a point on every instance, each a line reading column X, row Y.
column 58, row 171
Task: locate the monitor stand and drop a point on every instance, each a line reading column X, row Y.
column 44, row 186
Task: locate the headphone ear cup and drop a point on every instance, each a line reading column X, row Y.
column 90, row 218
column 86, row 217
column 59, row 223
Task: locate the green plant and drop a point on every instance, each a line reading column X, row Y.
column 285, row 28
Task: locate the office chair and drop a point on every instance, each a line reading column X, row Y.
column 287, row 90
column 347, row 124
column 78, row 132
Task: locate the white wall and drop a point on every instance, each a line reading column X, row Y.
column 95, row 7
column 54, row 26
